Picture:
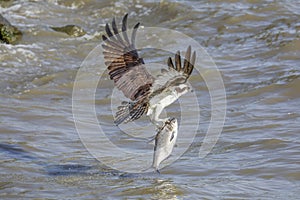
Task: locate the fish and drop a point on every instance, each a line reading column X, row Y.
column 165, row 140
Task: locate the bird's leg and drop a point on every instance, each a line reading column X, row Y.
column 154, row 121
column 155, row 116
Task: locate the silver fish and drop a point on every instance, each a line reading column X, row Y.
column 164, row 142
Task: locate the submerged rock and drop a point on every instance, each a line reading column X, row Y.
column 6, row 3
column 8, row 33
column 71, row 30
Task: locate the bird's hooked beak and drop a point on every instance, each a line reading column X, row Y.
column 190, row 87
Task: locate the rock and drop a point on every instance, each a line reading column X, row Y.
column 6, row 3
column 9, row 34
column 71, row 30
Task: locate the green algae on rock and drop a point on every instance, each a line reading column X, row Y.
column 9, row 34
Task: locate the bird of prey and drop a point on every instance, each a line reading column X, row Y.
column 148, row 94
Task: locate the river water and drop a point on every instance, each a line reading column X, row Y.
column 254, row 44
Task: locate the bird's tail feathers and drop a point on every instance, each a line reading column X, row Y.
column 129, row 111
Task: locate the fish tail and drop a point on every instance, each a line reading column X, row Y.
column 151, row 167
column 130, row 111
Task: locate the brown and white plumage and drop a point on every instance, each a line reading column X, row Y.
column 147, row 94
column 124, row 64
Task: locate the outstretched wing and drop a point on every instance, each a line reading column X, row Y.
column 176, row 74
column 124, row 64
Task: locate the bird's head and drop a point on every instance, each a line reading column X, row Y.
column 183, row 88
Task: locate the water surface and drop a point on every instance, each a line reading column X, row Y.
column 256, row 47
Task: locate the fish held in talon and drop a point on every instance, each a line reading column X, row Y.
column 147, row 94
column 165, row 140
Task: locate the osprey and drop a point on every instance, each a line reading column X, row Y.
column 148, row 95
